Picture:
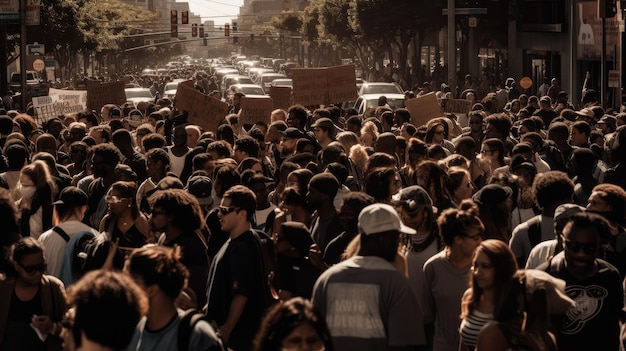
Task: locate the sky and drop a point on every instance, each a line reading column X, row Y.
column 220, row 11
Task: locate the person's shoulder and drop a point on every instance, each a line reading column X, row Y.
column 491, row 338
column 436, row 259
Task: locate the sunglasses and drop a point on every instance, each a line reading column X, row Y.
column 115, row 199
column 35, row 268
column 226, row 210
column 588, row 248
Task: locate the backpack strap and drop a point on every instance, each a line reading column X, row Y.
column 534, row 231
column 61, row 233
column 188, row 321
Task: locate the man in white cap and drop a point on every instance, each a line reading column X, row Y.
column 368, row 304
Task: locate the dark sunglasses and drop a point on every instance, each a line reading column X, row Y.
column 36, row 268
column 588, row 248
column 226, row 210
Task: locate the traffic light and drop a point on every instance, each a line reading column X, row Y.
column 234, row 27
column 607, row 8
column 202, row 31
column 227, row 30
column 194, row 30
column 185, row 17
column 174, row 17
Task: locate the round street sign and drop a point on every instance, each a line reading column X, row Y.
column 525, row 82
column 39, row 65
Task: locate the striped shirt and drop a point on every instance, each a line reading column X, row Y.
column 471, row 326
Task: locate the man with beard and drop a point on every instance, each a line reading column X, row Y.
column 177, row 217
column 367, row 290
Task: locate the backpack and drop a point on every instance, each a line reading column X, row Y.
column 73, row 267
column 188, row 321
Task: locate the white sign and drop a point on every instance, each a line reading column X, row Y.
column 59, row 102
column 34, row 49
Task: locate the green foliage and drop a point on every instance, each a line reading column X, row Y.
column 290, row 22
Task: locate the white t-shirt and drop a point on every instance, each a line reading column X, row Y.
column 54, row 245
column 177, row 163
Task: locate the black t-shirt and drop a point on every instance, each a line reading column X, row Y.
column 593, row 323
column 237, row 269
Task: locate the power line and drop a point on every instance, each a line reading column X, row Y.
column 222, row 3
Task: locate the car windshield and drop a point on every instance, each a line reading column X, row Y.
column 393, row 103
column 138, row 94
column 252, row 91
column 171, row 86
column 380, row 89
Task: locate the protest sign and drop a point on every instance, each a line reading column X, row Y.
column 100, row 94
column 255, row 109
column 281, row 96
column 323, row 86
column 456, row 105
column 424, row 108
column 203, row 110
column 59, row 102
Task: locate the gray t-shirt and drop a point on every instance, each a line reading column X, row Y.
column 203, row 337
column 369, row 305
column 520, row 242
column 440, row 298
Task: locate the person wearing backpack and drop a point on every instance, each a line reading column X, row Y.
column 158, row 270
column 67, row 217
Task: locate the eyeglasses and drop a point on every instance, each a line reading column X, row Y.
column 35, row 268
column 115, row 199
column 226, row 210
column 588, row 248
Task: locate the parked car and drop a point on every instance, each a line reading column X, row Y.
column 282, row 82
column 265, row 79
column 136, row 95
column 371, row 101
column 33, row 80
column 250, row 90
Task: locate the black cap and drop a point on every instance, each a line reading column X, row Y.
column 292, row 133
column 73, row 197
column 200, row 186
column 492, row 194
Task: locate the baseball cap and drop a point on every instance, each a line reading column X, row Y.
column 380, row 218
column 292, row 133
column 492, row 194
column 533, row 98
column 200, row 186
column 609, row 120
column 565, row 211
column 72, row 196
column 545, row 99
column 412, row 198
column 324, row 123
column 586, row 112
column 558, row 301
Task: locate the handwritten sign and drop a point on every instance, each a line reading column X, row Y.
column 100, row 94
column 456, row 105
column 341, row 83
column 281, row 96
column 203, row 110
column 424, row 108
column 255, row 109
column 59, row 102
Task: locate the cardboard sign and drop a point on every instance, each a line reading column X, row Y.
column 100, row 94
column 59, row 102
column 281, row 96
column 456, row 105
column 323, row 86
column 254, row 110
column 423, row 109
column 309, row 86
column 341, row 84
column 203, row 110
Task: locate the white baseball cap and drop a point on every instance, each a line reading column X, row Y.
column 379, row 218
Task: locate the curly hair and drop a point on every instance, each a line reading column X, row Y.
column 159, row 265
column 553, row 188
column 456, row 221
column 181, row 205
column 284, row 318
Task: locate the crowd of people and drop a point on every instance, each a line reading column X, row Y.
column 499, row 229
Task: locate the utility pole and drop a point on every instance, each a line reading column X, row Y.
column 23, row 54
column 451, row 46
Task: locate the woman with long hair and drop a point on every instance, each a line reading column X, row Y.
column 522, row 315
column 289, row 324
column 433, row 179
column 124, row 221
column 382, row 183
column 446, row 274
column 460, row 185
column 38, row 190
column 416, row 152
column 31, row 302
column 493, row 266
column 437, row 134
